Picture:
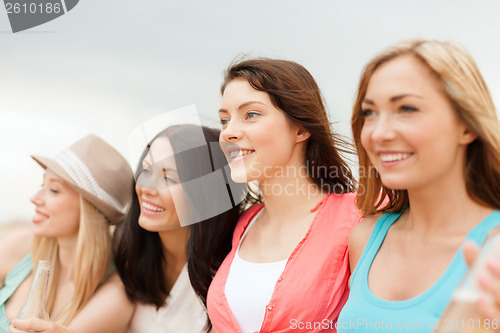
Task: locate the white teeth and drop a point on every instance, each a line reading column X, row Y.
column 235, row 154
column 151, row 207
column 394, row 157
column 39, row 216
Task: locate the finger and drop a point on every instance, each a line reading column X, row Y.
column 470, row 251
column 490, row 282
column 494, row 267
column 12, row 329
column 34, row 324
column 489, row 304
column 488, row 310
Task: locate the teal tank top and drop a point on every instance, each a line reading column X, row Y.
column 15, row 277
column 365, row 312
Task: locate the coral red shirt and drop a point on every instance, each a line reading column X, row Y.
column 311, row 291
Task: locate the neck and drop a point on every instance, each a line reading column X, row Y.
column 444, row 207
column 174, row 243
column 290, row 196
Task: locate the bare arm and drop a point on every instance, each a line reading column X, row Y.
column 13, row 247
column 108, row 311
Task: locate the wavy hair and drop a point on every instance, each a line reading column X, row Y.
column 294, row 91
column 460, row 80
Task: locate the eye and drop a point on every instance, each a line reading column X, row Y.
column 53, row 190
column 170, row 180
column 365, row 113
column 407, row 108
column 224, row 121
column 252, row 115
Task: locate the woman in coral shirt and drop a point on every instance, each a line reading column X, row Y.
column 288, row 267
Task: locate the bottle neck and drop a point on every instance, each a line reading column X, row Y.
column 39, row 286
column 35, row 306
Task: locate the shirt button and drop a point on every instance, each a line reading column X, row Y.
column 269, row 308
column 280, row 279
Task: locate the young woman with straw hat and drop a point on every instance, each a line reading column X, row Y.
column 86, row 188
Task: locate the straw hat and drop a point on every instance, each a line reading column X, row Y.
column 98, row 172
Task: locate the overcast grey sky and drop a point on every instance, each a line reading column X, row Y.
column 107, row 66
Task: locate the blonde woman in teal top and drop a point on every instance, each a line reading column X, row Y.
column 85, row 188
column 428, row 141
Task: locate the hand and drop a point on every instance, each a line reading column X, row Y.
column 489, row 307
column 37, row 325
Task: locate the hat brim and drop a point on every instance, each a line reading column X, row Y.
column 112, row 215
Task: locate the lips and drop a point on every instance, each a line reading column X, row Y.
column 39, row 216
column 149, row 207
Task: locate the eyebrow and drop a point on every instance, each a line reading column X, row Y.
column 243, row 105
column 53, row 180
column 170, row 169
column 163, row 169
column 393, row 99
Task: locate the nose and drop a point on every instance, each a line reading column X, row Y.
column 149, row 190
column 36, row 199
column 231, row 132
column 382, row 129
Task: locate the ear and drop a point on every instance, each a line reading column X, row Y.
column 302, row 134
column 467, row 136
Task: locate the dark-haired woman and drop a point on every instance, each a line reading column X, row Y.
column 288, row 267
column 160, row 240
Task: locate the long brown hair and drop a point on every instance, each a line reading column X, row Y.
column 294, row 91
column 460, row 80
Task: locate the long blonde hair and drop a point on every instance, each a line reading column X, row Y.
column 91, row 265
column 460, row 80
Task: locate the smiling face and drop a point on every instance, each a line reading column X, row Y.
column 258, row 139
column 159, row 189
column 410, row 131
column 57, row 211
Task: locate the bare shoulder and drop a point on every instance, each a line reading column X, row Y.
column 109, row 301
column 113, row 285
column 13, row 247
column 359, row 237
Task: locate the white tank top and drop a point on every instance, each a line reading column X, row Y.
column 249, row 287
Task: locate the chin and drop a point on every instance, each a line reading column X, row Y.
column 149, row 227
column 143, row 223
column 395, row 183
column 239, row 174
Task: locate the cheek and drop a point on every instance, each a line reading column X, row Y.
column 74, row 212
column 169, row 198
column 176, row 198
column 365, row 137
column 138, row 190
